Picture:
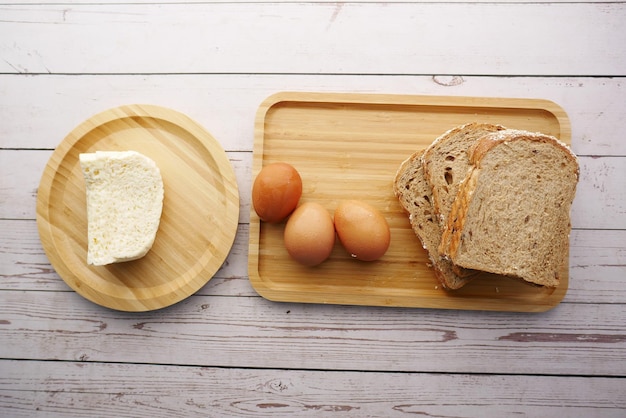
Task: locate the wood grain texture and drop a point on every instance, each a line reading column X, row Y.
column 597, row 265
column 225, row 351
column 78, row 389
column 290, row 1
column 198, row 223
column 251, row 332
column 21, row 190
column 26, row 267
column 601, row 177
column 349, row 146
column 313, row 38
column 226, row 104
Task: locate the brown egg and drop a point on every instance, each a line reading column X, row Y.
column 362, row 230
column 276, row 192
column 310, row 234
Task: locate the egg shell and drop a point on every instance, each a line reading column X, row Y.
column 276, row 191
column 310, row 234
column 362, row 230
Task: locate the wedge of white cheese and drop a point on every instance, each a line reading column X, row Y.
column 124, row 205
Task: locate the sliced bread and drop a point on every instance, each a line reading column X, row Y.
column 124, row 204
column 446, row 163
column 414, row 194
column 511, row 215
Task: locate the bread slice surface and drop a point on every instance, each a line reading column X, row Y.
column 512, row 213
column 124, row 192
column 446, row 163
column 414, row 194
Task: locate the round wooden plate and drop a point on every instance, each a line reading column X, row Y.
column 198, row 222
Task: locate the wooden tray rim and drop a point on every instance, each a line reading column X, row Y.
column 156, row 112
column 269, row 293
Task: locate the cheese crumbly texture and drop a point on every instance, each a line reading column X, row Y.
column 124, row 204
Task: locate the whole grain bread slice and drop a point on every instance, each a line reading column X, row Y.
column 512, row 213
column 414, row 194
column 446, row 163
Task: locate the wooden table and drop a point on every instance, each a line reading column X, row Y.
column 225, row 351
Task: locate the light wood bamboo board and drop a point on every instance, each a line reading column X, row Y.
column 350, row 146
column 198, row 222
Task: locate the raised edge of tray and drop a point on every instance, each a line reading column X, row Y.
column 350, row 146
column 198, row 223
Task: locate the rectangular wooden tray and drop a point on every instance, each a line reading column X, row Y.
column 349, row 146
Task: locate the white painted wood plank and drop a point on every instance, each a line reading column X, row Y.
column 597, row 265
column 32, row 389
column 572, row 339
column 226, row 104
column 183, row 2
column 24, row 265
column 311, row 38
column 21, row 170
column 600, row 201
column 225, row 328
column 20, row 174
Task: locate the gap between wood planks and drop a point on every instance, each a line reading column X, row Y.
column 388, row 372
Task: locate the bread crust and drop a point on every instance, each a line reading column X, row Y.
column 456, row 225
column 415, row 197
column 446, row 162
column 450, row 236
column 444, row 241
column 478, row 150
column 423, row 162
